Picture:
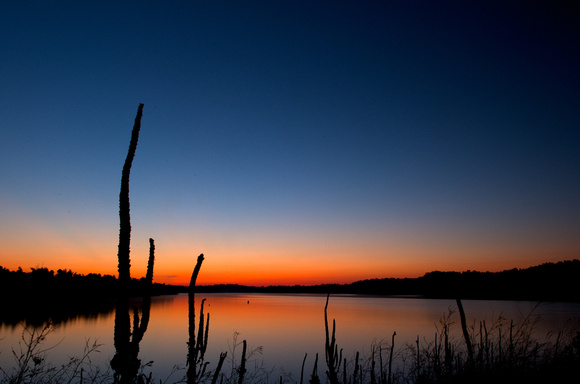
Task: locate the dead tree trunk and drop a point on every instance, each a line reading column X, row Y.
column 124, row 216
column 195, row 347
column 126, row 363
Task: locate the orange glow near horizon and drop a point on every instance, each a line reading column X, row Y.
column 262, row 270
column 268, row 259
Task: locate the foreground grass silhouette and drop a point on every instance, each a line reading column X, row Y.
column 502, row 352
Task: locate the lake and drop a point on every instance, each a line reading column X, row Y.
column 286, row 327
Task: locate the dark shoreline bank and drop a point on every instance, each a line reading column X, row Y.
column 546, row 282
column 41, row 294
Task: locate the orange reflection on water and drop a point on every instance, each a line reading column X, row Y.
column 286, row 326
column 290, row 326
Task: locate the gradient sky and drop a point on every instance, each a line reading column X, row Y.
column 292, row 142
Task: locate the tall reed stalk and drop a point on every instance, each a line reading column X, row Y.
column 333, row 358
column 197, row 343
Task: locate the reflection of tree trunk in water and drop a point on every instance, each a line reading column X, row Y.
column 139, row 328
column 126, row 362
column 120, row 362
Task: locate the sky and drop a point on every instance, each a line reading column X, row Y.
column 291, row 142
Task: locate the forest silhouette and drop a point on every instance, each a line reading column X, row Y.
column 41, row 293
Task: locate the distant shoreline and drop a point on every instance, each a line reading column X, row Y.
column 42, row 295
column 546, row 282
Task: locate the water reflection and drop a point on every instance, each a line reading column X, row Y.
column 32, row 315
column 126, row 363
column 287, row 327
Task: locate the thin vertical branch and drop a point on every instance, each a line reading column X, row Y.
column 314, row 379
column 219, row 367
column 418, row 358
column 465, row 332
column 332, row 359
column 149, row 275
column 382, row 374
column 391, row 357
column 356, row 369
column 242, row 370
column 302, row 370
column 373, row 376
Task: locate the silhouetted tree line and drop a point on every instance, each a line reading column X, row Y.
column 546, row 282
column 41, row 294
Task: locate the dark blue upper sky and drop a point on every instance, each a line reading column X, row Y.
column 442, row 135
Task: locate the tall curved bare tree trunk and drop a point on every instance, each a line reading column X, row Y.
column 125, row 363
column 124, row 215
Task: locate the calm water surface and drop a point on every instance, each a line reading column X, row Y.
column 286, row 327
